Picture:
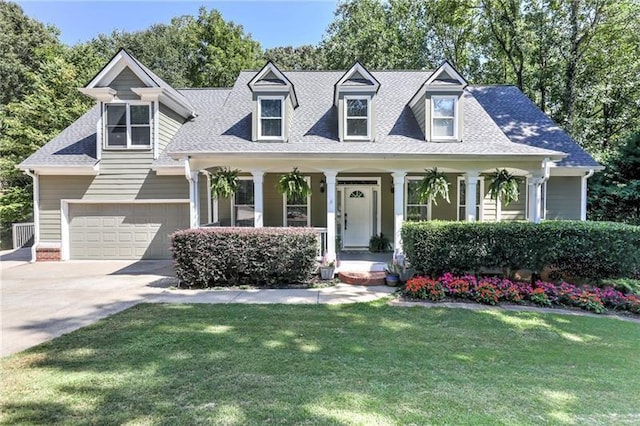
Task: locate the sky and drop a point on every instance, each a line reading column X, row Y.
column 272, row 23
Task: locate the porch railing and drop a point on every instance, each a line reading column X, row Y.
column 22, row 234
column 322, row 240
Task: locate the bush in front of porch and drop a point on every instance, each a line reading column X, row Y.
column 585, row 250
column 208, row 257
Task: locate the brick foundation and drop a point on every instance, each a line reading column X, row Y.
column 46, row 254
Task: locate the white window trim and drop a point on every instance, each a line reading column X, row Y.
column 233, row 201
column 480, row 204
column 455, row 117
column 284, row 206
column 346, row 118
column 129, row 146
column 282, row 110
column 406, row 198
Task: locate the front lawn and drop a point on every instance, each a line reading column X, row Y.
column 318, row 364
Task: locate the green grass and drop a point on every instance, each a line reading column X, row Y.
column 351, row 364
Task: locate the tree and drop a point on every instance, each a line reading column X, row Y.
column 615, row 193
column 20, row 38
column 305, row 57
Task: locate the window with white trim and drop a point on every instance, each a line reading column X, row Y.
column 444, row 110
column 243, row 203
column 415, row 210
column 462, row 198
column 297, row 209
column 127, row 125
column 271, row 117
column 357, row 117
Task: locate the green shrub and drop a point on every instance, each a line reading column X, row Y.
column 625, row 285
column 591, row 250
column 209, row 257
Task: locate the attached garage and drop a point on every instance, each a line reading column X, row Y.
column 124, row 230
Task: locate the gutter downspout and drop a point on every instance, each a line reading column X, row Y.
column 36, row 212
column 583, row 196
column 192, row 178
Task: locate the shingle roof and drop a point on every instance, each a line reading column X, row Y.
column 523, row 122
column 498, row 120
column 314, row 127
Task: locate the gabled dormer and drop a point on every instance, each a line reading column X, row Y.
column 354, row 98
column 274, row 99
column 130, row 96
column 438, row 105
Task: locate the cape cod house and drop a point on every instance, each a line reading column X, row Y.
column 137, row 165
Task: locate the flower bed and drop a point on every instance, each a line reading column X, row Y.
column 492, row 291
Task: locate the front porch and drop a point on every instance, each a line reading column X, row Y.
column 350, row 205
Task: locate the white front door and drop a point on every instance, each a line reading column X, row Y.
column 357, row 222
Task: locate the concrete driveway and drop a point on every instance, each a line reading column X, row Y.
column 40, row 301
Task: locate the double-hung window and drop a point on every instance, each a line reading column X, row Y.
column 462, row 198
column 128, row 126
column 243, row 203
column 271, row 117
column 416, row 210
column 296, row 210
column 357, row 117
column 444, row 110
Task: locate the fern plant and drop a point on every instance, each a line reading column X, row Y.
column 293, row 185
column 504, row 186
column 433, row 185
column 224, row 183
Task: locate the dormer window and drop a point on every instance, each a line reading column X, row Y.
column 443, row 116
column 271, row 117
column 128, row 126
column 357, row 117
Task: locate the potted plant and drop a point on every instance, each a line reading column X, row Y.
column 433, row 185
column 293, row 185
column 398, row 272
column 327, row 268
column 503, row 187
column 379, row 244
column 224, row 183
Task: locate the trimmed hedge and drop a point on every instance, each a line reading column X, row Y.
column 208, row 257
column 590, row 250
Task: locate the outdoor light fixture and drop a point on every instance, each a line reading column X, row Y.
column 322, row 186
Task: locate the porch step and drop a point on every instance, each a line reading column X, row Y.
column 361, row 266
column 362, row 277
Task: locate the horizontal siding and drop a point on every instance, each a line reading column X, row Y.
column 563, row 197
column 170, row 122
column 273, row 201
column 517, row 210
column 418, row 113
column 123, row 84
column 52, row 190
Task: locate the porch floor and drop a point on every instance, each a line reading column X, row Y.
column 362, row 261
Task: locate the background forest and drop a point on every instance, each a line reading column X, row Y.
column 579, row 60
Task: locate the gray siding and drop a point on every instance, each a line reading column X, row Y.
column 516, row 210
column 123, row 84
column 563, row 197
column 169, row 124
column 420, row 115
column 52, row 190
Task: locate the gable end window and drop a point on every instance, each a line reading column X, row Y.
column 271, row 117
column 357, row 117
column 444, row 111
column 128, row 126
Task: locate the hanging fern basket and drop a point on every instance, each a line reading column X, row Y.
column 504, row 186
column 224, row 183
column 433, row 185
column 294, row 185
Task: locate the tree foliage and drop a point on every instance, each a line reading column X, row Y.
column 306, row 57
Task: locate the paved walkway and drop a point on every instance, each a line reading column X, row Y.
column 40, row 301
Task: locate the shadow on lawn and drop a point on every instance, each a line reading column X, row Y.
column 238, row 364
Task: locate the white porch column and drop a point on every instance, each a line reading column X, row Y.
column 330, row 177
column 583, row 192
column 471, row 184
column 258, row 198
column 535, row 198
column 194, row 201
column 398, row 209
column 209, row 211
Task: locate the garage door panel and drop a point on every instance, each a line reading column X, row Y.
column 124, row 231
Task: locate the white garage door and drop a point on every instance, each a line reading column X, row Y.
column 124, row 231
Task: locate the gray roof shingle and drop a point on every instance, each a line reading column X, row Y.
column 498, row 120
